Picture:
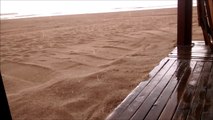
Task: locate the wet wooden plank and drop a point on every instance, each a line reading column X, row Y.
column 185, row 100
column 196, row 47
column 132, row 108
column 129, row 99
column 151, row 99
column 208, row 107
column 158, row 67
column 198, row 100
column 183, row 74
column 159, row 105
column 195, row 57
column 196, row 51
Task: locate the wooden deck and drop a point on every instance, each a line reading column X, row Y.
column 180, row 87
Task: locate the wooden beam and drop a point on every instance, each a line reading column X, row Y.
column 184, row 22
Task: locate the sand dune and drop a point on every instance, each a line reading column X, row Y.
column 81, row 67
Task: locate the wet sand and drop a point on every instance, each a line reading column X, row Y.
column 81, row 67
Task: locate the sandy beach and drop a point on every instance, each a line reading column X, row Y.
column 80, row 67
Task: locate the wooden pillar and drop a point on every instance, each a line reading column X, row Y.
column 4, row 107
column 184, row 22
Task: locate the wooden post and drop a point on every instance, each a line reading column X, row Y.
column 4, row 107
column 184, row 22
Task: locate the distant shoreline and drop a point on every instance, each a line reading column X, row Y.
column 8, row 13
column 8, row 16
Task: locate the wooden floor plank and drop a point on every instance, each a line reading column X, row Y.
column 146, row 106
column 132, row 108
column 173, row 102
column 129, row 99
column 197, row 51
column 158, row 106
column 184, row 103
column 208, row 107
column 158, row 68
column 195, row 57
column 198, row 99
